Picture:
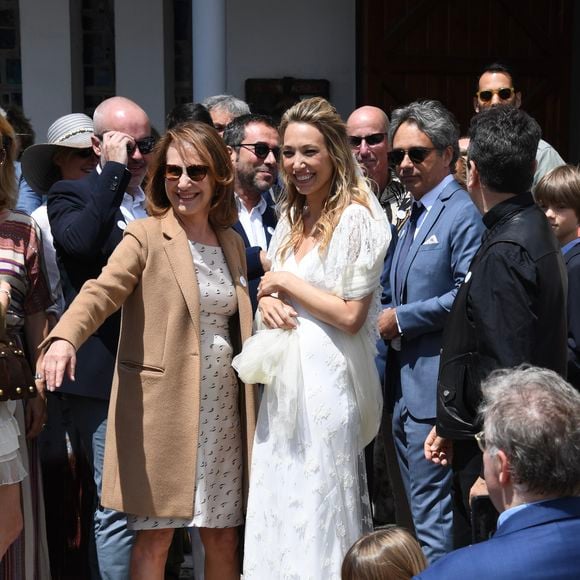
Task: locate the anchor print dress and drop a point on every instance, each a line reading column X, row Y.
column 218, row 493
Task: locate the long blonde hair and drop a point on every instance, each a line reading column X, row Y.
column 8, row 185
column 347, row 186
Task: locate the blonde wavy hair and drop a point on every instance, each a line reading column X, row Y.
column 8, row 185
column 347, row 186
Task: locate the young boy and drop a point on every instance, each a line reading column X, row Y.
column 558, row 194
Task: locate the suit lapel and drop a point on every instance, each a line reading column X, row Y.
column 179, row 256
column 269, row 222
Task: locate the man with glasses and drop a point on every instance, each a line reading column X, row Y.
column 431, row 259
column 496, row 87
column 254, row 147
column 87, row 218
column 530, row 444
column 367, row 129
column 224, row 109
column 511, row 308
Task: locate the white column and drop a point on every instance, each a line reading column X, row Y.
column 140, row 67
column 46, row 62
column 209, row 48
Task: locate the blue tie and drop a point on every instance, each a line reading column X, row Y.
column 417, row 210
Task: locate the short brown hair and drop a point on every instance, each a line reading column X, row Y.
column 388, row 554
column 212, row 151
column 560, row 186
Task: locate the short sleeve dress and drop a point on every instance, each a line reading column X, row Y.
column 218, row 487
column 21, row 266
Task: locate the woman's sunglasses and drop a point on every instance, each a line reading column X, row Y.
column 416, row 154
column 504, row 94
column 194, row 172
column 84, row 153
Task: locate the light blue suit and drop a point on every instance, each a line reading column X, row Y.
column 539, row 542
column 434, row 268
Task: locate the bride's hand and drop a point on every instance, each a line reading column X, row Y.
column 272, row 282
column 277, row 314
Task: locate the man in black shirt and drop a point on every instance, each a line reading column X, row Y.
column 511, row 308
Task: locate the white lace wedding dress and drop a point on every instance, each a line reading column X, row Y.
column 308, row 499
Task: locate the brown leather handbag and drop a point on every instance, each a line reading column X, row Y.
column 16, row 378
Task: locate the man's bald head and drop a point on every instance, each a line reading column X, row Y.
column 373, row 157
column 119, row 115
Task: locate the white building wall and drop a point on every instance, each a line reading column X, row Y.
column 45, row 51
column 313, row 39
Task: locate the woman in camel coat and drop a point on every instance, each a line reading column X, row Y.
column 180, row 429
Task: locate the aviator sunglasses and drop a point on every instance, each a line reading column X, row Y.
column 416, row 154
column 262, row 150
column 144, row 145
column 370, row 140
column 504, row 94
column 194, row 172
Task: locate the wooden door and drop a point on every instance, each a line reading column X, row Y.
column 418, row 49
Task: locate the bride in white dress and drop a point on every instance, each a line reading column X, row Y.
column 308, row 500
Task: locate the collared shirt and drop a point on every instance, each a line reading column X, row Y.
column 567, row 247
column 505, row 515
column 430, row 198
column 133, row 206
column 252, row 222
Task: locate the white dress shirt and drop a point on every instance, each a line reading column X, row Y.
column 252, row 222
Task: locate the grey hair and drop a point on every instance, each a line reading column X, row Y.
column 433, row 119
column 533, row 416
column 236, row 107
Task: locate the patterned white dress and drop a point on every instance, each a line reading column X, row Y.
column 218, row 488
column 308, row 498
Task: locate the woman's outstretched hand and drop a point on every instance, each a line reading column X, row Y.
column 58, row 359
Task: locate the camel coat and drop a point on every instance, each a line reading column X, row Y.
column 153, row 422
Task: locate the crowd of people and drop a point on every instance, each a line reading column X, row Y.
column 243, row 320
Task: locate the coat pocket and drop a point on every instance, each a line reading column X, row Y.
column 137, row 367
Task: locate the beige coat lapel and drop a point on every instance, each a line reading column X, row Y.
column 179, row 256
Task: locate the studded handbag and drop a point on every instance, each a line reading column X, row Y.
column 16, row 378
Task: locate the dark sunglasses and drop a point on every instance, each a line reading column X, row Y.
column 144, row 145
column 84, row 153
column 194, row 172
column 416, row 154
column 370, row 140
column 504, row 94
column 262, row 150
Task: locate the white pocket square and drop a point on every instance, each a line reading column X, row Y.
column 432, row 240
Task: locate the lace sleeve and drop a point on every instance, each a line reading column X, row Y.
column 356, row 252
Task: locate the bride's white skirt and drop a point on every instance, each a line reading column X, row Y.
column 308, row 500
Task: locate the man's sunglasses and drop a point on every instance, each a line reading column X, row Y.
column 144, row 145
column 374, row 139
column 262, row 150
column 416, row 154
column 504, row 94
column 194, row 172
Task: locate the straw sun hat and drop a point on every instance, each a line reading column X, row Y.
column 71, row 132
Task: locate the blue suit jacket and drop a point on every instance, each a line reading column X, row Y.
column 87, row 225
column 255, row 270
column 432, row 273
column 541, row 541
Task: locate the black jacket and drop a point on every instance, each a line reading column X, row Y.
column 572, row 259
column 511, row 309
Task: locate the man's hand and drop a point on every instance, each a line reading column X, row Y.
column 387, row 323
column 438, row 449
column 114, row 147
